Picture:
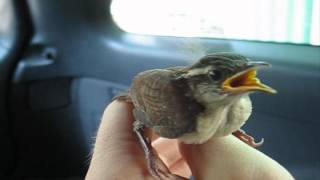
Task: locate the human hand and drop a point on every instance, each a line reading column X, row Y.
column 119, row 155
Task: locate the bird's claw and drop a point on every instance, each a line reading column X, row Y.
column 156, row 167
column 243, row 136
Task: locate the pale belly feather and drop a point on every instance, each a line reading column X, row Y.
column 219, row 121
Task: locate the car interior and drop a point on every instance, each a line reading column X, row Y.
column 61, row 62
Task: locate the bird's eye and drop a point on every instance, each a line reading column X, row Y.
column 215, row 75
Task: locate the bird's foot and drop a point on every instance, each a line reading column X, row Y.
column 155, row 166
column 243, row 136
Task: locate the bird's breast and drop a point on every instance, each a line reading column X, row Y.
column 218, row 121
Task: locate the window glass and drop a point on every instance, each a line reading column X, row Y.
column 294, row 21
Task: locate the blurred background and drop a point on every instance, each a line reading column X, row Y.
column 61, row 62
column 291, row 21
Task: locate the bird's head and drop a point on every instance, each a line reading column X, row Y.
column 223, row 76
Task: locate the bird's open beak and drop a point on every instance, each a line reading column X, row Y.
column 247, row 80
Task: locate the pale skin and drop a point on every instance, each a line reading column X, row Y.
column 118, row 155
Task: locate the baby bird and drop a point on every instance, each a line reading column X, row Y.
column 195, row 103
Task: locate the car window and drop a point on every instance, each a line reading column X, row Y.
column 293, row 21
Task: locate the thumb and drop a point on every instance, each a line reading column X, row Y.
column 230, row 158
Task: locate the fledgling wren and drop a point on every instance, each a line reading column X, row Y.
column 195, row 103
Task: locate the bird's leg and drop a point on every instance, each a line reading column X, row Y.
column 152, row 159
column 243, row 136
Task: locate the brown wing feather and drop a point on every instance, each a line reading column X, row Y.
column 162, row 104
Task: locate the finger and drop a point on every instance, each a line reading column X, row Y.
column 168, row 150
column 181, row 168
column 165, row 173
column 173, row 177
column 210, row 159
column 119, row 134
column 117, row 140
column 117, row 143
column 117, row 120
column 117, row 147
